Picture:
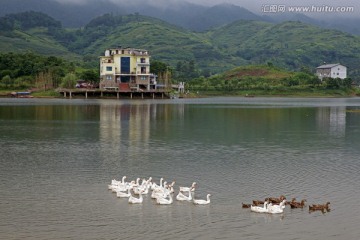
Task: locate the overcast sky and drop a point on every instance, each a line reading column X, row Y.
column 257, row 6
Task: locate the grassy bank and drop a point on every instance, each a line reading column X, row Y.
column 215, row 93
column 269, row 80
column 274, row 93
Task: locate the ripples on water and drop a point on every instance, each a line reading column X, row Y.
column 55, row 168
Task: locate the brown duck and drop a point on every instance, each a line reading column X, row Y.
column 294, row 204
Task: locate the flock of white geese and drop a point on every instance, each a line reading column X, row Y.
column 162, row 192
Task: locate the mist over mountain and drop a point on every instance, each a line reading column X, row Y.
column 192, row 16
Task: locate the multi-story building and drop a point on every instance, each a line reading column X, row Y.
column 126, row 69
column 331, row 71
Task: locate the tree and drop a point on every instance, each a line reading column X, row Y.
column 315, row 81
column 158, row 67
column 332, row 83
column 6, row 80
column 69, row 81
column 90, row 76
column 347, row 82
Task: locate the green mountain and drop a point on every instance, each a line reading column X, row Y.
column 166, row 42
column 291, row 45
column 288, row 44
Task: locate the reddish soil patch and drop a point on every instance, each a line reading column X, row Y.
column 249, row 72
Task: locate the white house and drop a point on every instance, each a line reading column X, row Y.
column 331, row 71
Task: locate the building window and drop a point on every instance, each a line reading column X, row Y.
column 143, row 69
column 142, row 60
column 109, row 69
column 143, row 77
column 108, row 77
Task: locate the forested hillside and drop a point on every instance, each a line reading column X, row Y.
column 291, row 45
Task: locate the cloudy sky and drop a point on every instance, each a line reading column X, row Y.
column 259, row 6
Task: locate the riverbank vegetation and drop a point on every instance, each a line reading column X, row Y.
column 269, row 80
column 242, row 58
column 42, row 75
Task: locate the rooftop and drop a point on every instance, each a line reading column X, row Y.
column 329, row 65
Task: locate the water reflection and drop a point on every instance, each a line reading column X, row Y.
column 266, row 218
column 109, row 132
column 56, row 162
column 332, row 120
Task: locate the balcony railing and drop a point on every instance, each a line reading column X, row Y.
column 139, row 81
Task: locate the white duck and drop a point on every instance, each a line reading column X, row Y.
column 185, row 189
column 164, row 201
column 183, row 197
column 201, row 201
column 277, row 208
column 260, row 209
column 135, row 200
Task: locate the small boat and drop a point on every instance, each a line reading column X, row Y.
column 21, row 94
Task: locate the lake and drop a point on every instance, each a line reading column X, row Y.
column 59, row 155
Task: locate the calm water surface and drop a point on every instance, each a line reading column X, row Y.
column 59, row 155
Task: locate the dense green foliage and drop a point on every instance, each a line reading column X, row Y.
column 185, row 56
column 27, row 20
column 291, row 45
column 266, row 79
column 69, row 81
column 27, row 70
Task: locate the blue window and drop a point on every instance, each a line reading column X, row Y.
column 109, row 69
column 125, row 65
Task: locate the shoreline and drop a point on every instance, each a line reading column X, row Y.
column 115, row 95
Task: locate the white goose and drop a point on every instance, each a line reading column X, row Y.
column 160, row 190
column 135, row 200
column 183, row 197
column 156, row 195
column 115, row 183
column 201, row 201
column 260, row 209
column 142, row 188
column 155, row 186
column 277, row 208
column 185, row 189
column 171, row 187
column 123, row 194
column 137, row 183
column 164, row 201
column 124, row 187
